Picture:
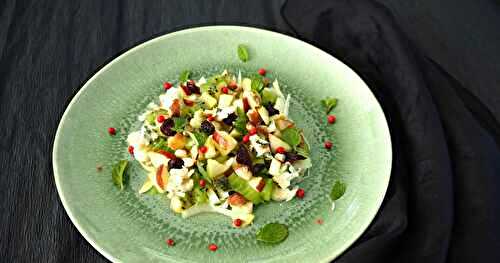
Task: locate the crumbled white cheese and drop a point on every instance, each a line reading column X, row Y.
column 283, row 194
column 168, row 97
column 225, row 112
column 280, row 157
column 243, row 172
column 180, row 153
column 274, row 168
column 260, row 145
column 188, row 162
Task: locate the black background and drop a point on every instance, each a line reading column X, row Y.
column 433, row 65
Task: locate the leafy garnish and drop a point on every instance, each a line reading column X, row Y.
column 338, row 190
column 161, row 144
column 199, row 195
column 329, row 104
column 118, row 174
column 184, row 76
column 273, row 233
column 179, row 123
column 257, row 84
column 243, row 53
column 240, row 124
column 200, row 137
column 291, row 136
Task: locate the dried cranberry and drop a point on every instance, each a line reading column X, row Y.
column 243, row 156
column 192, row 87
column 271, row 110
column 293, row 157
column 166, row 127
column 175, row 163
column 207, row 127
column 230, row 118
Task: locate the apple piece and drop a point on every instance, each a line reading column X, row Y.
column 209, row 101
column 264, row 114
column 211, row 151
column 237, row 200
column 277, row 142
column 282, row 124
column 176, row 204
column 224, row 142
column 246, row 83
column 235, row 133
column 257, row 183
column 216, row 169
column 225, row 100
column 254, row 117
column 242, row 171
column 162, row 177
column 176, row 142
column 157, row 159
column 176, row 108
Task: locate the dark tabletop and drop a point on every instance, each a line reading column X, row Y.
column 48, row 49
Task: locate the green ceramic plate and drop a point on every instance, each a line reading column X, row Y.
column 128, row 227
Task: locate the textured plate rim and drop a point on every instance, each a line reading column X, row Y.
column 334, row 254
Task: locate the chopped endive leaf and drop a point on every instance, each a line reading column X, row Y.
column 184, row 76
column 291, row 136
column 338, row 190
column 329, row 104
column 179, row 123
column 118, row 174
column 243, row 53
column 272, row 233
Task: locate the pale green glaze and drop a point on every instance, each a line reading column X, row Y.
column 127, row 227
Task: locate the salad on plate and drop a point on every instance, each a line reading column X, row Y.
column 222, row 144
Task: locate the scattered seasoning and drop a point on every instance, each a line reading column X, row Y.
column 225, row 90
column 131, row 149
column 281, row 150
column 202, row 183
column 99, row 167
column 210, row 117
column 331, row 119
column 111, row 131
column 252, row 131
column 167, row 85
column 246, row 138
column 328, row 145
column 160, row 118
column 319, row 221
column 237, row 222
column 300, row 193
column 212, row 247
column 170, row 242
column 203, row 149
column 262, row 72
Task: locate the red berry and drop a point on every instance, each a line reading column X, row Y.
column 252, row 131
column 262, row 72
column 225, row 90
column 328, row 144
column 246, row 138
column 202, row 183
column 280, row 150
column 170, row 242
column 237, row 222
column 167, row 85
column 300, row 193
column 160, row 118
column 331, row 119
column 131, row 149
column 111, row 131
column 210, row 117
column 203, row 149
column 212, row 247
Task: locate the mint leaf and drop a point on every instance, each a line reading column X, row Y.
column 184, row 76
column 240, row 124
column 200, row 137
column 273, row 233
column 118, row 174
column 338, row 190
column 243, row 53
column 179, row 123
column 161, row 144
column 291, row 136
column 329, row 104
column 257, row 84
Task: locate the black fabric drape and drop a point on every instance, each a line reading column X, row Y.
column 441, row 205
